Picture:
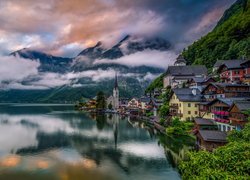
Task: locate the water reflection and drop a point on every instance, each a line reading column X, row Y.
column 55, row 142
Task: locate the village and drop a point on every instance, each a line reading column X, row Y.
column 217, row 102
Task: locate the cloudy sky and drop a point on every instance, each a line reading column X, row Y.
column 64, row 27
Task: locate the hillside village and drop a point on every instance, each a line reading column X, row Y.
column 215, row 102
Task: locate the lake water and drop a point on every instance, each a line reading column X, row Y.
column 56, row 142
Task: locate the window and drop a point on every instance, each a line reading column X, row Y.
column 196, row 112
column 189, row 112
column 195, row 105
column 189, row 105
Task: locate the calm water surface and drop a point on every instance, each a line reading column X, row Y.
column 56, row 142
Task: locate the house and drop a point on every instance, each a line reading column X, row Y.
column 200, row 82
column 246, row 78
column 205, row 124
column 210, row 139
column 217, row 64
column 238, row 117
column 234, row 70
column 183, row 103
column 205, row 110
column 145, row 103
column 134, row 104
column 220, row 112
column 179, row 74
column 225, row 90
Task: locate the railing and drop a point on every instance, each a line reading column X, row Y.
column 174, row 106
column 222, row 120
column 223, row 113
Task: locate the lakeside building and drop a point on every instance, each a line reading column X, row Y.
column 237, row 115
column 180, row 73
column 114, row 99
column 184, row 103
column 210, row 139
column 225, row 90
column 234, row 71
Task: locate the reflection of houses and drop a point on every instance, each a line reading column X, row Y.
column 210, row 139
column 234, row 70
column 179, row 74
column 183, row 103
column 238, row 117
column 225, row 90
column 114, row 99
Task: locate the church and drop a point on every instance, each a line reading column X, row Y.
column 114, row 99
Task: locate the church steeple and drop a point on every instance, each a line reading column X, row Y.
column 116, row 81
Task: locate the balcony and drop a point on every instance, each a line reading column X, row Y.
column 222, row 113
column 174, row 106
column 175, row 114
column 222, row 120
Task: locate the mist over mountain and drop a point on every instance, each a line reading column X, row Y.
column 60, row 79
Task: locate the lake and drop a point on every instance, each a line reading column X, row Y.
column 55, row 142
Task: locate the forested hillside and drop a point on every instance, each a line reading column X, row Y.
column 230, row 39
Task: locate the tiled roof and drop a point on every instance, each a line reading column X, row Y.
column 233, row 64
column 213, row 136
column 202, row 121
column 186, row 95
column 243, row 105
column 187, row 70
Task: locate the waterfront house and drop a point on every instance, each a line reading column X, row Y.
column 220, row 112
column 237, row 116
column 210, row 139
column 145, row 103
column 184, row 103
column 225, row 90
column 179, row 74
column 204, row 124
column 234, row 70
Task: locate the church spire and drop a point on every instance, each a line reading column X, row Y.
column 116, row 81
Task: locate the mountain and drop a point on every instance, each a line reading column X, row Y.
column 48, row 62
column 230, row 39
column 133, row 80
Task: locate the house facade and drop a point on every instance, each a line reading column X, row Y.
column 179, row 74
column 238, row 116
column 184, row 103
column 234, row 70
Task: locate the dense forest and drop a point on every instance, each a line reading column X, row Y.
column 230, row 39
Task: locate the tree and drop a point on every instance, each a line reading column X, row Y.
column 164, row 110
column 227, row 162
column 110, row 106
column 100, row 100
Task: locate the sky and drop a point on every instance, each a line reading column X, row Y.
column 65, row 27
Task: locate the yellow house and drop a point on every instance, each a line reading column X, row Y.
column 184, row 103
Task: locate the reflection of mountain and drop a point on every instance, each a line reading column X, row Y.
column 114, row 144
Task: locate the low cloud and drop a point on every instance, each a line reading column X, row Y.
column 16, row 69
column 152, row 58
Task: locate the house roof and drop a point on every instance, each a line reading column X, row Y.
column 186, row 95
column 186, row 70
column 218, row 63
column 233, row 64
column 145, row 99
column 213, row 136
column 242, row 105
column 228, row 101
column 223, row 85
column 203, row 121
